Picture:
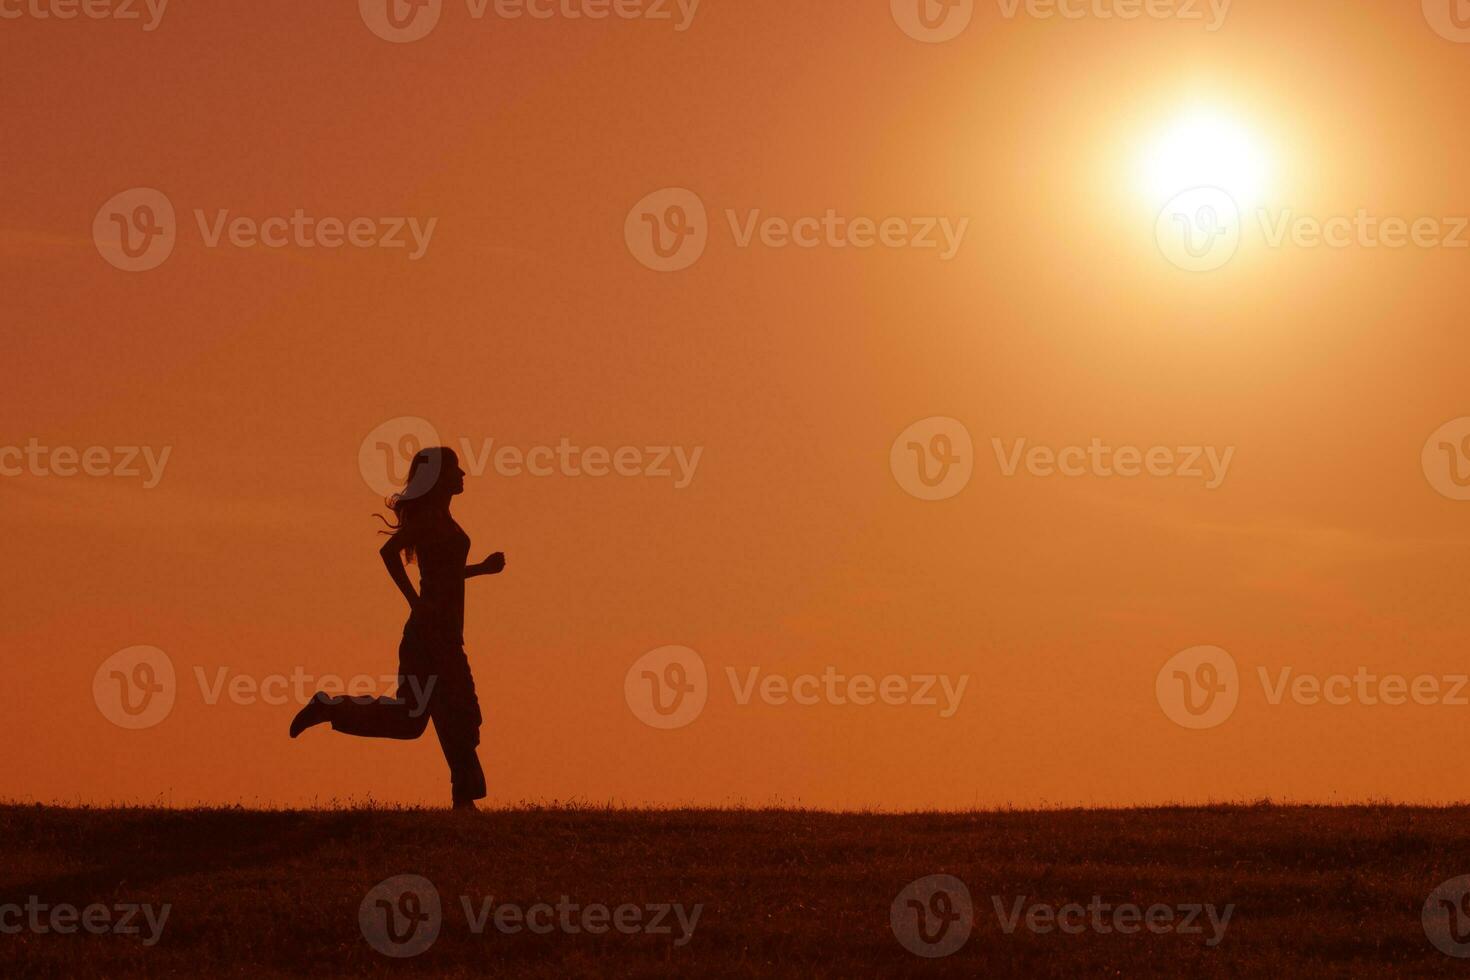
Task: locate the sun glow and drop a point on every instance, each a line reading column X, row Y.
column 1205, row 149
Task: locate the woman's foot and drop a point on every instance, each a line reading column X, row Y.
column 317, row 711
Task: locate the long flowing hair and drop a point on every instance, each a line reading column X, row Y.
column 422, row 492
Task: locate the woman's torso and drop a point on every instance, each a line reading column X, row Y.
column 442, row 550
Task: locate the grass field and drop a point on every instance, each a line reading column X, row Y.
column 1310, row 891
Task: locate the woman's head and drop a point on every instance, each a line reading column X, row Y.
column 434, row 476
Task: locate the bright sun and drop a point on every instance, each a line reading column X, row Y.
column 1205, row 149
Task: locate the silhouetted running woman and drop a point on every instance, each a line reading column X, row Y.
column 432, row 665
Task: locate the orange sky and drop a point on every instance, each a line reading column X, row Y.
column 793, row 548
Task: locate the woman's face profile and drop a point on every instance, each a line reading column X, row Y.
column 453, row 477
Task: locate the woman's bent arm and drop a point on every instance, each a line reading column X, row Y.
column 493, row 565
column 392, row 553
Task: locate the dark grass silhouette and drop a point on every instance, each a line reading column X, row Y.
column 1318, row 891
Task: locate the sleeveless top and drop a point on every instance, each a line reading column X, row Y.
column 442, row 549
